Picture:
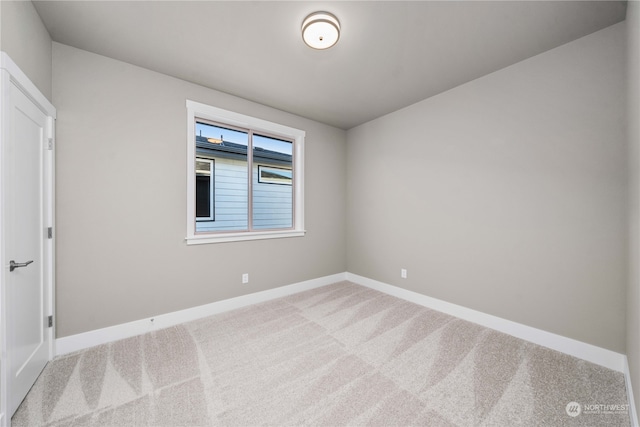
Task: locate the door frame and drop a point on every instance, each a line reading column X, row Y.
column 10, row 74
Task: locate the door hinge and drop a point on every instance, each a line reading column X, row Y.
column 50, row 233
column 51, row 321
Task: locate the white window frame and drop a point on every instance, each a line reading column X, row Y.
column 196, row 110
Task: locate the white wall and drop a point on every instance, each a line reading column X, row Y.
column 507, row 194
column 121, row 194
column 633, row 115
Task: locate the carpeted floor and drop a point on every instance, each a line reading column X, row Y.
column 338, row 355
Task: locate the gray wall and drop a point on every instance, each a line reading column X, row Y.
column 507, row 194
column 633, row 114
column 518, row 176
column 121, row 194
column 25, row 39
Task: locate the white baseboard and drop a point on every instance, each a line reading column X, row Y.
column 607, row 358
column 600, row 356
column 633, row 414
column 84, row 340
column 591, row 353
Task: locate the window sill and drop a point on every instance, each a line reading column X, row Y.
column 202, row 239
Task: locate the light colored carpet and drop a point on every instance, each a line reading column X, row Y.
column 338, row 355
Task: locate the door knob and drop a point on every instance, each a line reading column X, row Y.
column 13, row 265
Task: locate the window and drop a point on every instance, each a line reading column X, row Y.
column 244, row 177
column 204, row 190
column 267, row 175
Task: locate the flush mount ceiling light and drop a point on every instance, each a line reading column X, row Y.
column 320, row 30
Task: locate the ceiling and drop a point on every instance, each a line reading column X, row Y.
column 390, row 54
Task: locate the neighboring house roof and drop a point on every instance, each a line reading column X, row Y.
column 230, row 150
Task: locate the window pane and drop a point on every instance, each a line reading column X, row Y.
column 272, row 183
column 204, row 190
column 203, row 197
column 203, row 167
column 229, row 183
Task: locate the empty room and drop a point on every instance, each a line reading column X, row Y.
column 340, row 213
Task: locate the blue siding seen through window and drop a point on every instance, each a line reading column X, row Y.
column 228, row 185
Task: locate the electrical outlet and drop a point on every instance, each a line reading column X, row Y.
column 403, row 273
column 245, row 278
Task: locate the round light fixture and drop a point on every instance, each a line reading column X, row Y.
column 320, row 30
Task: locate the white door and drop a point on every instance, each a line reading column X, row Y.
column 25, row 207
